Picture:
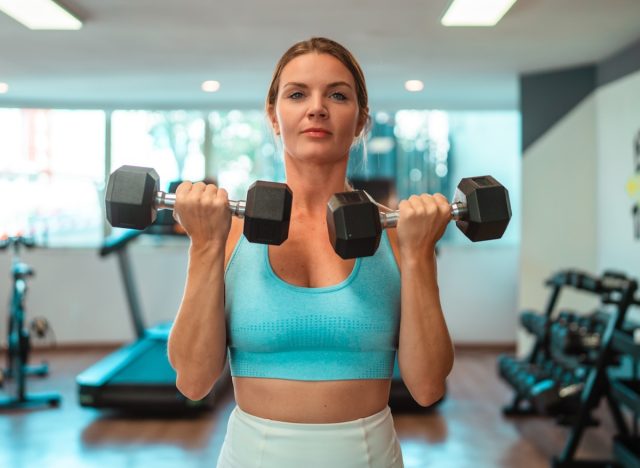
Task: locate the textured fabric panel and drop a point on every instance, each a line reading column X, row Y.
column 345, row 331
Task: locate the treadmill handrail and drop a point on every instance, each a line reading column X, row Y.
column 118, row 242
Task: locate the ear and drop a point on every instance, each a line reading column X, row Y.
column 362, row 121
column 273, row 119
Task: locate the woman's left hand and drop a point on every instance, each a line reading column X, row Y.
column 423, row 220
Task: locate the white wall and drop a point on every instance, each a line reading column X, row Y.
column 559, row 222
column 618, row 123
column 82, row 294
column 478, row 292
column 576, row 211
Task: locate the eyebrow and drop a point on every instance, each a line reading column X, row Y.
column 330, row 85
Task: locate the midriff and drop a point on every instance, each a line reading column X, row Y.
column 313, row 402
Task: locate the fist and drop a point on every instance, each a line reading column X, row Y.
column 422, row 222
column 203, row 211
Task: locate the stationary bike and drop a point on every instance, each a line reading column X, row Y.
column 19, row 344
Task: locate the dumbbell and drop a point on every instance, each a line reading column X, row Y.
column 556, row 396
column 133, row 199
column 481, row 209
column 533, row 322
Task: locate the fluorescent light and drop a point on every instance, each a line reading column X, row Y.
column 40, row 14
column 476, row 12
column 4, row 87
column 210, row 86
column 414, row 86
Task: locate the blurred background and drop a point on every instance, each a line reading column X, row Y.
column 545, row 98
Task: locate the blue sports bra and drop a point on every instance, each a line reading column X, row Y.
column 283, row 331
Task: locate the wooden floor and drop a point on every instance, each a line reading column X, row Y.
column 467, row 429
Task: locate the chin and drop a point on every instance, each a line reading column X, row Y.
column 324, row 153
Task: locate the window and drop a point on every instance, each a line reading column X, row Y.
column 52, row 172
column 170, row 142
column 52, row 162
column 243, row 150
column 428, row 151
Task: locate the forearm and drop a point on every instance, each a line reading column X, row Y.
column 197, row 342
column 425, row 351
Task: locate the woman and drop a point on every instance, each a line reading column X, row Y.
column 311, row 337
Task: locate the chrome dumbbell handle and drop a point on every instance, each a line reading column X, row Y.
column 167, row 201
column 390, row 218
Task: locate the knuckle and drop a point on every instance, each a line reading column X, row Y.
column 219, row 202
column 183, row 187
column 431, row 210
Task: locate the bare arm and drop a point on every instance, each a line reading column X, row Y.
column 425, row 353
column 197, row 342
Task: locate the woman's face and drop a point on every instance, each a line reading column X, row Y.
column 316, row 112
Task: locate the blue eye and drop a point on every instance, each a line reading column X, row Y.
column 296, row 95
column 339, row 96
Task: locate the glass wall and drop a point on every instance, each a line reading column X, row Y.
column 52, row 162
column 242, row 150
column 52, row 175
column 170, row 142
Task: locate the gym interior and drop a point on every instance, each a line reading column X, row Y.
column 544, row 98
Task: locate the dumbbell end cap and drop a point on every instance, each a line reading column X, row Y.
column 130, row 194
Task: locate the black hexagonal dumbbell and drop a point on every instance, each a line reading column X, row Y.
column 481, row 209
column 133, row 199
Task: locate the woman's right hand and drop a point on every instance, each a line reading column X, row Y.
column 203, row 211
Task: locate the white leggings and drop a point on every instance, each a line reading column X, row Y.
column 253, row 442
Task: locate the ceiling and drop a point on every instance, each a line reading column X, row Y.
column 156, row 53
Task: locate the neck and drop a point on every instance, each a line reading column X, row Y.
column 313, row 184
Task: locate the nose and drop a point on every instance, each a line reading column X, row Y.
column 317, row 108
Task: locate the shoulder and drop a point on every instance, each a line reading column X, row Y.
column 237, row 225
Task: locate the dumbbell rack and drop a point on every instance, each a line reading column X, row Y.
column 619, row 292
column 626, row 448
column 539, row 326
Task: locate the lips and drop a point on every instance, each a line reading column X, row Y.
column 317, row 131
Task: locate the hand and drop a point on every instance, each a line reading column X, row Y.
column 423, row 220
column 203, row 211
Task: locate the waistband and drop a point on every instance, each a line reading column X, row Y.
column 367, row 421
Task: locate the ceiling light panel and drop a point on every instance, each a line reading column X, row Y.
column 476, row 12
column 40, row 14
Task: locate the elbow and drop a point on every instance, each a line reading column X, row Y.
column 429, row 394
column 196, row 383
column 195, row 389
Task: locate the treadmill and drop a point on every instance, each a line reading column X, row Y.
column 138, row 377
